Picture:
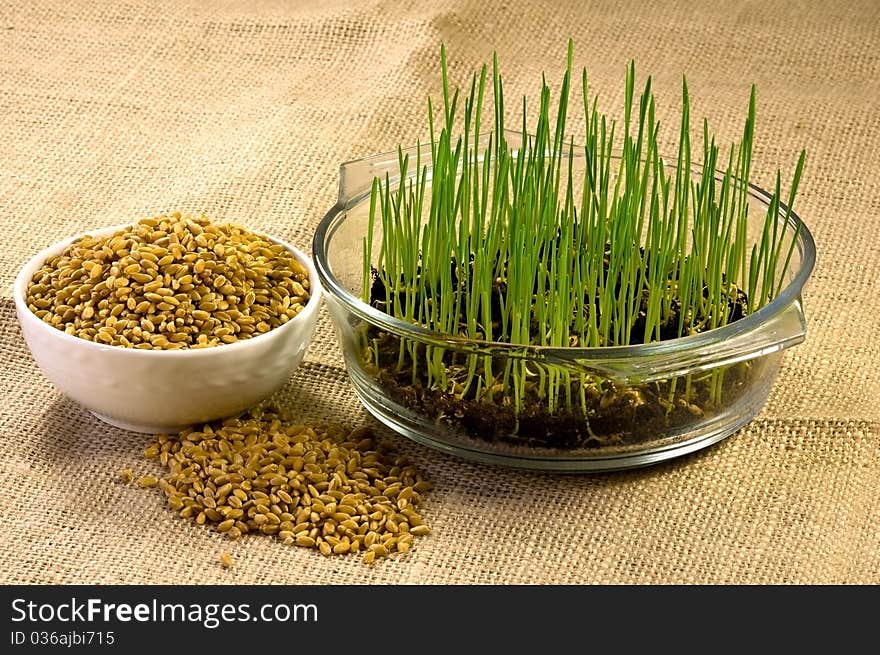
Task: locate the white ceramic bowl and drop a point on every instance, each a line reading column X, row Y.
column 162, row 391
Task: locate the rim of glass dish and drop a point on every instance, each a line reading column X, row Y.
column 806, row 247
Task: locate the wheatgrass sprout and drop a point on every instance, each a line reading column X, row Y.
column 518, row 245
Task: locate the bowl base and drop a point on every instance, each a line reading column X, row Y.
column 138, row 427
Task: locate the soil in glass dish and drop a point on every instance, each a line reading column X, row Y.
column 604, row 413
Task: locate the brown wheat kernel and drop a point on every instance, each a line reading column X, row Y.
column 226, row 560
column 147, row 481
column 126, row 476
column 259, row 473
column 169, row 282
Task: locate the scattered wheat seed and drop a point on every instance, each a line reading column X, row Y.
column 248, row 475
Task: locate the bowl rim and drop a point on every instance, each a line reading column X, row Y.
column 686, row 344
column 26, row 272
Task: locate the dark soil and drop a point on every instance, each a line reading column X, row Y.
column 615, row 415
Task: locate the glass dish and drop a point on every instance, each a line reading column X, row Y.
column 744, row 355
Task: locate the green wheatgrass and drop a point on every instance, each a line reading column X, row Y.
column 581, row 257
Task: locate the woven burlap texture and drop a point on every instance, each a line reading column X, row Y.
column 116, row 111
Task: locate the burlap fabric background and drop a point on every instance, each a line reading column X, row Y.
column 114, row 111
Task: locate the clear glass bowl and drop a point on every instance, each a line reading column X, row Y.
column 628, row 383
